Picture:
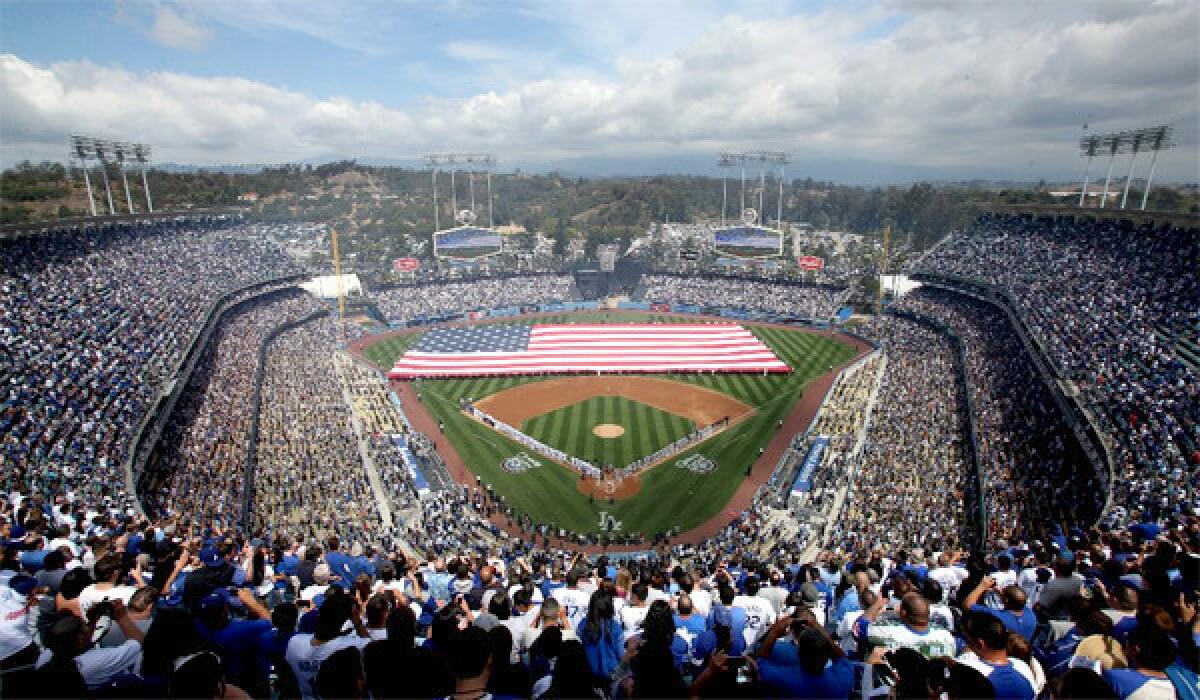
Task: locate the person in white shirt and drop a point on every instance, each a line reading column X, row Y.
column 16, row 633
column 321, row 575
column 550, row 614
column 631, row 615
column 912, row 630
column 108, row 569
column 69, row 647
column 63, row 539
column 306, row 652
column 947, row 575
column 775, row 593
column 759, row 613
column 701, row 597
column 1004, row 576
column 573, row 600
column 1034, row 578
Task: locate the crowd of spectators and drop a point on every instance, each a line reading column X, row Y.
column 914, row 458
column 93, row 323
column 1035, row 477
column 310, row 479
column 212, row 613
column 1109, row 302
column 800, row 301
column 400, row 303
column 201, row 457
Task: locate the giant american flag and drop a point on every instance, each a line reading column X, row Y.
column 496, row 349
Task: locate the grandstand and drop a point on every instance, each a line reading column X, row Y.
column 1017, row 444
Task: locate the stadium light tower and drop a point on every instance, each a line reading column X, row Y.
column 782, row 159
column 101, row 150
column 1135, row 140
column 81, row 148
column 1113, row 143
column 725, row 161
column 1088, row 145
column 119, row 150
column 1160, row 140
column 474, row 162
column 141, row 154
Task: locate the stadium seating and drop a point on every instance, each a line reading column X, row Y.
column 722, row 292
column 1117, row 309
column 355, row 572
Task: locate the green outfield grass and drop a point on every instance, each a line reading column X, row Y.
column 570, row 429
column 670, row 497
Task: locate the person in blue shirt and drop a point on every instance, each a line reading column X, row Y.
column 736, row 616
column 236, row 640
column 1150, row 652
column 1016, row 614
column 848, row 603
column 1147, row 529
column 820, row 668
column 687, row 618
column 272, row 647
column 602, row 636
column 718, row 637
column 987, row 639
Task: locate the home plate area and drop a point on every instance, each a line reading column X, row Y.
column 608, row 429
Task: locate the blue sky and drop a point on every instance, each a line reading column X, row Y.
column 901, row 89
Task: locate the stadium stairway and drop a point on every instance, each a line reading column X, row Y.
column 381, row 500
column 1184, row 347
column 1188, row 352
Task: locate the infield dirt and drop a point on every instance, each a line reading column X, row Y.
column 699, row 405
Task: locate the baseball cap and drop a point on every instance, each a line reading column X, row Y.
column 321, row 574
column 22, row 583
column 211, row 556
column 16, row 536
column 216, row 599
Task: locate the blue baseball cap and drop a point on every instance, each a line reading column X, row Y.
column 23, row 584
column 211, row 556
column 216, row 599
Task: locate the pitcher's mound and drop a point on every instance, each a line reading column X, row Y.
column 608, row 430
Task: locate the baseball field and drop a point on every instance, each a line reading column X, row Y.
column 614, row 420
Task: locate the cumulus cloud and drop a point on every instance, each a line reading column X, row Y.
column 980, row 91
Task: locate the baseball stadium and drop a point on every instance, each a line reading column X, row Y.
column 599, row 350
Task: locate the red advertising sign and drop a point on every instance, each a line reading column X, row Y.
column 405, row 264
column 810, row 262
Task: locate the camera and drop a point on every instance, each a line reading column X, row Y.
column 102, row 609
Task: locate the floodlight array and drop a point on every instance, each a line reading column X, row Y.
column 106, row 152
column 1133, row 141
column 728, row 159
column 472, row 162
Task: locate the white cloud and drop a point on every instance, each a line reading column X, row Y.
column 172, row 29
column 978, row 91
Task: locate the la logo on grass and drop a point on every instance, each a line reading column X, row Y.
column 608, row 522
